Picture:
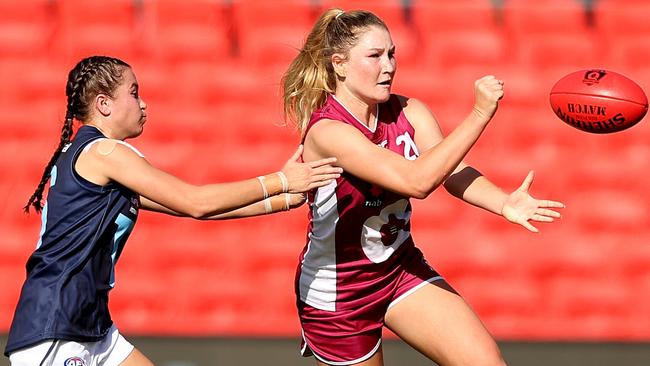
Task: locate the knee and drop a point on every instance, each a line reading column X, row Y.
column 485, row 356
column 490, row 358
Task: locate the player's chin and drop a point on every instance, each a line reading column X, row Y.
column 137, row 132
column 383, row 95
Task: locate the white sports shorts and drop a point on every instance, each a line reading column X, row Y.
column 112, row 350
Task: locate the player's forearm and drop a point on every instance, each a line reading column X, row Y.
column 472, row 187
column 273, row 204
column 437, row 163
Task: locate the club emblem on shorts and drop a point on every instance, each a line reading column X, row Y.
column 74, row 361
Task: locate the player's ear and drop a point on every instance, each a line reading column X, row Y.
column 339, row 62
column 103, row 104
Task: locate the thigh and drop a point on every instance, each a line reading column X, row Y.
column 437, row 322
column 136, row 358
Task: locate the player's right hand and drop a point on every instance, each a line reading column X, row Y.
column 488, row 90
column 303, row 177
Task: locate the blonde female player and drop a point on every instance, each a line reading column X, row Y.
column 360, row 269
column 98, row 183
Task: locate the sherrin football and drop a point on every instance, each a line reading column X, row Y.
column 598, row 101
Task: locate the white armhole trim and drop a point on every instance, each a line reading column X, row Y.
column 118, row 141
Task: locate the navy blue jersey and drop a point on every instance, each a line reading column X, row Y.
column 69, row 275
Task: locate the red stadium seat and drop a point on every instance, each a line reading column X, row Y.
column 109, row 28
column 270, row 33
column 550, row 32
column 566, row 51
column 434, row 16
column 619, row 19
column 196, row 30
column 624, row 29
column 523, row 17
column 481, row 49
column 27, row 29
column 458, row 33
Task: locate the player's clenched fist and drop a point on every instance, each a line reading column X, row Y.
column 488, row 90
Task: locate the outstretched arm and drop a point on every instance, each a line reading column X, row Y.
column 107, row 161
column 518, row 207
column 468, row 184
column 277, row 203
column 412, row 178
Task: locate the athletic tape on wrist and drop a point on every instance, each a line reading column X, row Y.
column 267, row 206
column 266, row 193
column 285, row 182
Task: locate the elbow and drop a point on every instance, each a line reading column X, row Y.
column 422, row 190
column 197, row 215
column 198, row 208
column 195, row 212
column 422, row 185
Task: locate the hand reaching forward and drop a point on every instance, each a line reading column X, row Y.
column 303, row 177
column 521, row 208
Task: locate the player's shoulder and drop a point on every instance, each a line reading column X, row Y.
column 410, row 103
column 330, row 125
column 417, row 112
column 107, row 147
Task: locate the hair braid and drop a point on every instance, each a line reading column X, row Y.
column 90, row 77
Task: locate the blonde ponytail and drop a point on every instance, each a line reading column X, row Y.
column 310, row 76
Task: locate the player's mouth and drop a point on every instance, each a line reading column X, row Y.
column 386, row 82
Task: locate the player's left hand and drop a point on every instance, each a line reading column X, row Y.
column 296, row 199
column 521, row 208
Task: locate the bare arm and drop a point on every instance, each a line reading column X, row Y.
column 107, row 161
column 276, row 203
column 471, row 186
column 413, row 178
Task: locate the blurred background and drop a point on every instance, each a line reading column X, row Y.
column 221, row 293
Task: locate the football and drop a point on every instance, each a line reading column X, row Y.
column 598, row 101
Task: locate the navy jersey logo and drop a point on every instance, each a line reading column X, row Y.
column 74, row 361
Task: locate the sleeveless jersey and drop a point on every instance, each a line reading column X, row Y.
column 358, row 232
column 84, row 228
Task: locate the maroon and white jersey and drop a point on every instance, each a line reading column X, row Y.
column 358, row 232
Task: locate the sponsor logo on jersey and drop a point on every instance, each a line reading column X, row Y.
column 376, row 198
column 135, row 202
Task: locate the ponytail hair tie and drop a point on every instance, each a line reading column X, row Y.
column 338, row 15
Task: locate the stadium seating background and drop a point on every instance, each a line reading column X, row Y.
column 210, row 73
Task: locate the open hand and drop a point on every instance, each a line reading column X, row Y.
column 521, row 208
column 303, row 177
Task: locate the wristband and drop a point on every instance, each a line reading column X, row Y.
column 285, row 183
column 286, row 201
column 279, row 202
column 268, row 208
column 266, row 192
column 272, row 184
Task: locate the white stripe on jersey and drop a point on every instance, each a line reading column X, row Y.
column 318, row 281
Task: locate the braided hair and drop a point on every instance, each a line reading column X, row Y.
column 90, row 77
